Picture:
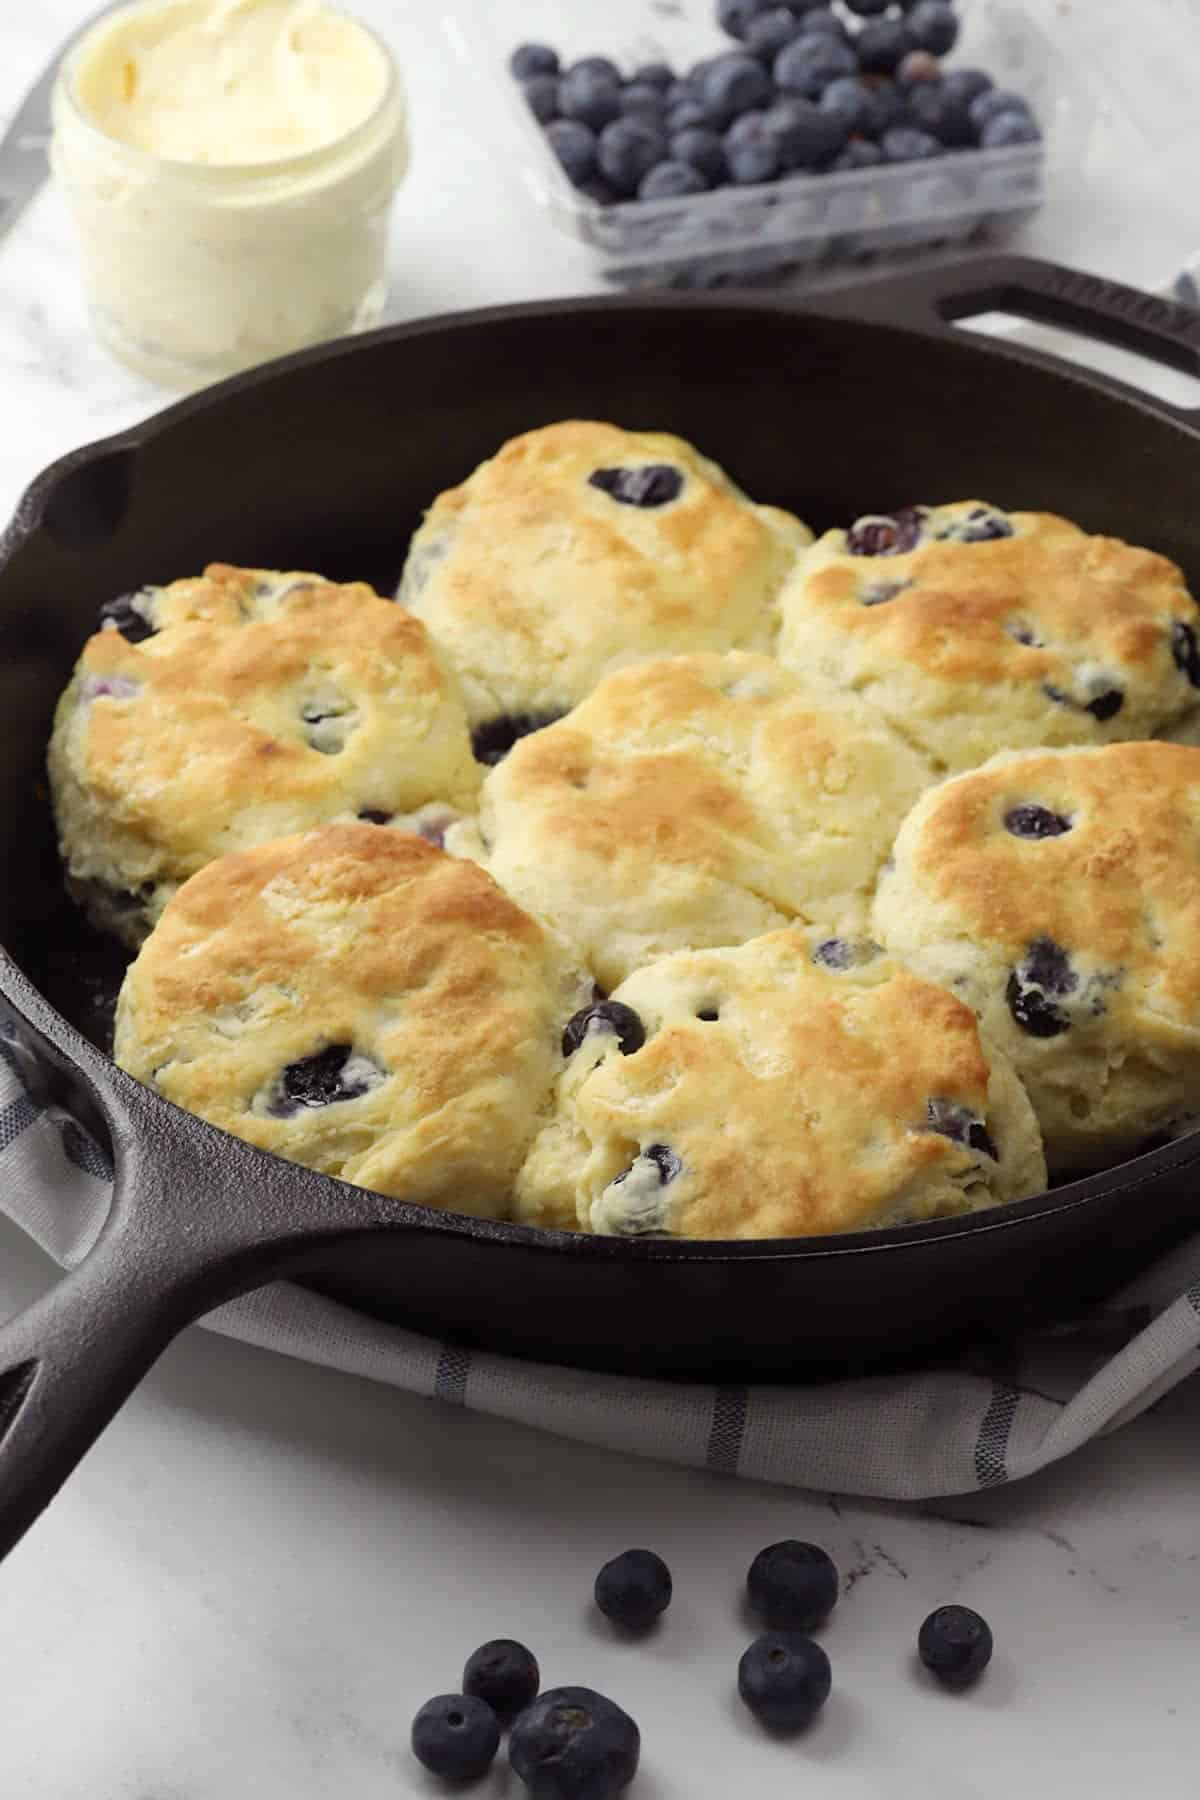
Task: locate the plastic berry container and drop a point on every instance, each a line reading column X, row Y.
column 738, row 233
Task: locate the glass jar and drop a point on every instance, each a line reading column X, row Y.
column 195, row 270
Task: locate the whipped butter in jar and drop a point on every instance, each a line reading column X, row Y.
column 230, row 165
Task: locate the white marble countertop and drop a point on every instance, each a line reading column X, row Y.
column 264, row 1568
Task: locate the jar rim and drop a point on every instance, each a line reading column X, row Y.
column 211, row 174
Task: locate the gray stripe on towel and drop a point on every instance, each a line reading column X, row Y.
column 453, row 1370
column 991, row 1446
column 15, row 1118
column 727, row 1430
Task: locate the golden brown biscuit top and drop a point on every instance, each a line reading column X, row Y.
column 697, row 799
column 442, row 997
column 775, row 1095
column 274, row 693
column 565, row 579
column 1047, row 605
column 1096, row 851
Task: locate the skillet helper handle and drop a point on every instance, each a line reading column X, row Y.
column 934, row 300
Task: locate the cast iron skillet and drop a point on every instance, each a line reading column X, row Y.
column 848, row 403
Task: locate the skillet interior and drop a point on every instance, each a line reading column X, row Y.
column 329, row 465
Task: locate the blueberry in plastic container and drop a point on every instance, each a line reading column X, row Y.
column 1008, row 128
column 785, row 1680
column 541, row 93
column 533, row 59
column 733, row 85
column 882, row 46
column 808, row 135
column 996, row 100
column 943, row 117
column 907, row 143
column 967, row 84
column 868, row 9
column 456, row 1737
column 674, row 180
column 681, row 93
column 574, row 1744
column 598, row 191
column 590, row 97
column 933, row 26
column 772, row 32
column 823, row 23
column 809, row 65
column 656, row 75
column 853, row 101
column 640, row 101
column 702, row 151
column 752, row 150
column 734, row 16
column 889, row 107
column 597, row 65
column 690, row 115
column 918, row 68
column 575, row 147
column 860, row 153
column 628, row 151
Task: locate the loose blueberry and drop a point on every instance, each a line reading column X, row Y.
column 628, row 150
column 907, row 143
column 703, row 152
column 655, row 75
column 751, row 150
column 1185, row 652
column 734, row 16
column 648, row 104
column 859, row 154
column 966, row 85
column 933, row 26
column 605, row 1017
column 1106, row 705
column 1045, row 975
column 772, row 32
column 1036, row 822
column 735, row 84
column 676, row 179
column 1008, row 128
column 533, row 59
column 886, row 534
column 879, row 593
column 575, row 147
column 504, row 1675
column 456, row 1737
column 653, row 484
column 882, row 46
column 785, row 1680
column 851, row 99
column 634, row 1589
column 955, row 1644
column 809, row 65
column 493, row 741
column 993, row 101
column 952, row 1121
column 574, row 1744
column 602, row 66
column 589, row 98
column 371, row 815
column 689, row 115
column 324, row 1079
column 919, row 69
column 807, row 135
column 127, row 614
column 792, row 1585
column 541, row 94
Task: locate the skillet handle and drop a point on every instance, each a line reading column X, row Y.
column 933, row 300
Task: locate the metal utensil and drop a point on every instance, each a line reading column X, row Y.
column 24, row 158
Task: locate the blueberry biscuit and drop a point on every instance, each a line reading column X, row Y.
column 976, row 630
column 220, row 712
column 1058, row 892
column 695, row 801
column 580, row 548
column 359, row 1002
column 794, row 1086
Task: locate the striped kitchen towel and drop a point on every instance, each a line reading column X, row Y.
column 947, row 1430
